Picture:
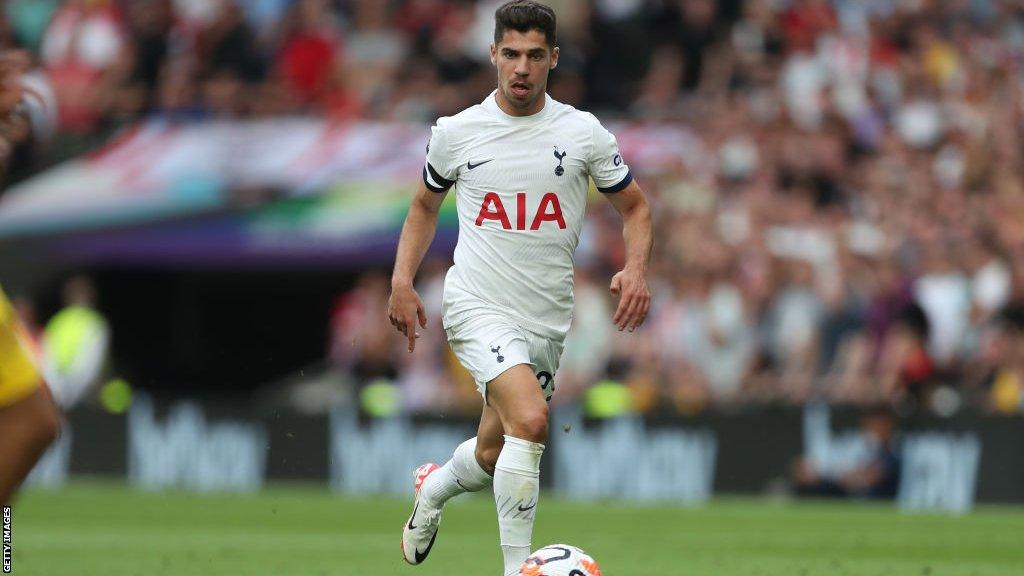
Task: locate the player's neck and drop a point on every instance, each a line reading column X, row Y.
column 511, row 110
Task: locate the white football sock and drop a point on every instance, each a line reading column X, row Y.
column 516, row 488
column 459, row 475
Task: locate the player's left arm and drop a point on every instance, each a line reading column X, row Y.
column 630, row 284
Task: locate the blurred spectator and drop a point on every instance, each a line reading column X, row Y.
column 359, row 343
column 872, row 472
column 588, row 348
column 228, row 60
column 905, row 368
column 430, row 380
column 1002, row 358
column 83, row 43
column 306, row 57
column 794, row 317
column 367, row 354
column 75, row 344
column 374, row 55
column 943, row 292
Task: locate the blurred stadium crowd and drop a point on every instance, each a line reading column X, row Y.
column 848, row 227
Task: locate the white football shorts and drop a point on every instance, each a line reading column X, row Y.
column 489, row 344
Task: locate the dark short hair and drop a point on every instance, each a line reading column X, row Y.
column 523, row 16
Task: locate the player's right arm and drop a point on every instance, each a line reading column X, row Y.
column 439, row 174
column 405, row 306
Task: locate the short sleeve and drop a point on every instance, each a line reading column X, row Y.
column 605, row 164
column 440, row 169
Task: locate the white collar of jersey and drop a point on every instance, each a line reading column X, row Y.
column 491, row 103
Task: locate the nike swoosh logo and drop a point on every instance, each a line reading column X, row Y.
column 415, row 508
column 530, row 507
column 459, row 482
column 470, row 165
column 421, row 556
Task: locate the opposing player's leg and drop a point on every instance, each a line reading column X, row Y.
column 523, row 411
column 29, row 420
column 27, row 428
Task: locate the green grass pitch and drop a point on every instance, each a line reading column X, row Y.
column 102, row 529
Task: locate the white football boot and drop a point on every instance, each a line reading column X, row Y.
column 419, row 532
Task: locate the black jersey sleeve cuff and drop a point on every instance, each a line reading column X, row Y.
column 617, row 187
column 434, row 181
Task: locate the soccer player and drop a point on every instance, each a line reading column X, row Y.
column 520, row 163
column 29, row 420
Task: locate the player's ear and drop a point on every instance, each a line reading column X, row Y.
column 554, row 57
column 494, row 54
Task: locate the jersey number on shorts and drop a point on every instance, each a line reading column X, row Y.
column 547, row 384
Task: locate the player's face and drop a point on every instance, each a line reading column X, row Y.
column 523, row 61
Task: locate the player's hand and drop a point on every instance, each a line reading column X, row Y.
column 634, row 299
column 404, row 309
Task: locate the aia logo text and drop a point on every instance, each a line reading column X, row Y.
column 549, row 210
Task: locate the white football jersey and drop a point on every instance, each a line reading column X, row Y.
column 521, row 193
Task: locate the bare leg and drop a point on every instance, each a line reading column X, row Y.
column 490, row 437
column 519, row 402
column 27, row 428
